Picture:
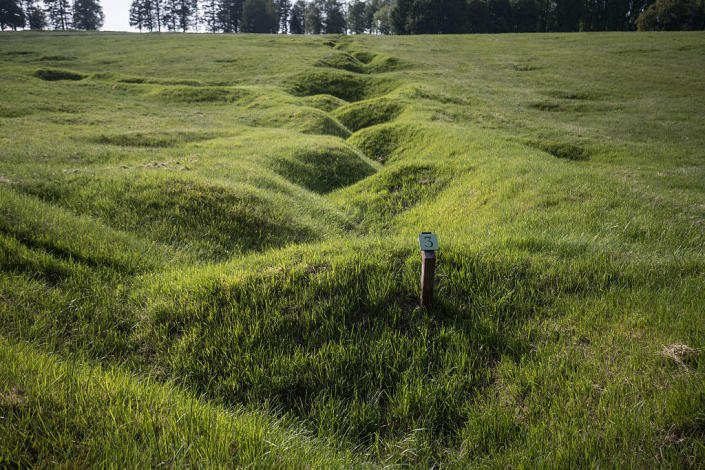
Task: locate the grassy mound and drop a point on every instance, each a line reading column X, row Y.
column 343, row 85
column 59, row 235
column 384, row 63
column 355, row 325
column 325, row 103
column 342, row 61
column 89, row 414
column 368, row 113
column 322, row 166
column 209, row 220
column 379, row 142
column 302, row 119
column 364, row 56
column 206, row 94
column 52, row 75
column 161, row 81
column 154, row 139
column 380, row 198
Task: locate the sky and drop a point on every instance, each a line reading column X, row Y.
column 117, row 15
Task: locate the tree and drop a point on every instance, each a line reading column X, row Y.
column 145, row 14
column 478, row 17
column 334, row 17
column 501, row 15
column 210, row 16
column 382, row 19
column 87, row 15
column 137, row 18
column 399, row 15
column 283, row 7
column 11, row 15
column 230, row 15
column 296, row 18
column 259, row 16
column 36, row 18
column 668, row 15
column 357, row 18
column 313, row 18
column 524, row 16
column 454, row 14
column 699, row 19
column 180, row 14
column 59, row 13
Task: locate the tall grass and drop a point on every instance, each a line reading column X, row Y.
column 213, row 261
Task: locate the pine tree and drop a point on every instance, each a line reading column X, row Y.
column 156, row 14
column 59, row 13
column 399, row 16
column 145, row 14
column 283, row 7
column 313, row 18
column 87, row 15
column 36, row 19
column 137, row 15
column 210, row 15
column 259, row 16
column 297, row 18
column 524, row 16
column 334, row 17
column 357, row 19
column 11, row 15
column 170, row 15
column 230, row 15
column 180, row 14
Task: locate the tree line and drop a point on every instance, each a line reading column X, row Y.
column 84, row 15
column 367, row 16
column 416, row 16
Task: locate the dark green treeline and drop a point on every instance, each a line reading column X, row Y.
column 84, row 15
column 366, row 16
column 416, row 16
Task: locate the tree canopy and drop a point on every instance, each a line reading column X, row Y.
column 366, row 16
column 11, row 15
column 87, row 15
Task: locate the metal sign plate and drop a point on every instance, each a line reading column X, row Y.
column 428, row 242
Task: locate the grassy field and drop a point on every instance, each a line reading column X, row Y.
column 209, row 257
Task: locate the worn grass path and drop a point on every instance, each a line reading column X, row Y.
column 208, row 250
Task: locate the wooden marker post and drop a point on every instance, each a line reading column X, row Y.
column 428, row 242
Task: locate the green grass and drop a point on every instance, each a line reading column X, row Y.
column 208, row 250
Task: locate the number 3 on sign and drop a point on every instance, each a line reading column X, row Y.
column 428, row 242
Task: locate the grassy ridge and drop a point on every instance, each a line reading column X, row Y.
column 107, row 417
column 240, row 227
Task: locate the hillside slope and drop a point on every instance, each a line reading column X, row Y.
column 208, row 250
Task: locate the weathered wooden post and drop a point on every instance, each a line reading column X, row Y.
column 428, row 242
